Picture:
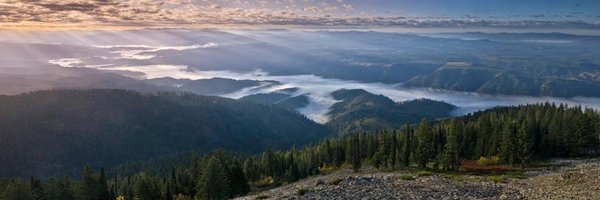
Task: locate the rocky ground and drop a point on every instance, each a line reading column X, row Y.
column 573, row 179
column 577, row 179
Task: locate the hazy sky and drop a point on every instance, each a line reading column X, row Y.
column 415, row 13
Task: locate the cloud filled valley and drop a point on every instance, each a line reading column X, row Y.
column 394, row 65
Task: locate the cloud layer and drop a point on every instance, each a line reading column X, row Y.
column 249, row 12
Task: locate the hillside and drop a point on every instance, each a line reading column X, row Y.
column 476, row 156
column 58, row 132
column 495, row 81
column 284, row 98
column 361, row 111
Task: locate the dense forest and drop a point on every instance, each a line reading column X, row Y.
column 516, row 136
column 497, row 81
column 52, row 133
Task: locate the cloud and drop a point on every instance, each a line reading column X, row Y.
column 248, row 12
column 349, row 6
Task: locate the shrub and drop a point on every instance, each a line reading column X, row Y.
column 263, row 182
column 494, row 160
column 326, row 170
column 334, row 181
column 407, row 177
column 474, row 166
column 497, row 179
column 259, row 197
column 302, row 191
column 424, row 173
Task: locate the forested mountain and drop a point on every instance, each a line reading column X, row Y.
column 534, row 64
column 360, row 111
column 514, row 136
column 498, row 81
column 283, row 98
column 58, row 132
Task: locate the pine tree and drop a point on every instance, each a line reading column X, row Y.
column 526, row 142
column 356, row 154
column 102, row 186
column 450, row 154
column 213, row 183
column 393, row 150
column 425, row 148
column 292, row 174
column 268, row 163
column 89, row 184
column 65, row 192
column 146, row 188
column 168, row 194
column 407, row 146
column 237, row 180
column 250, row 169
column 37, row 191
column 17, row 191
column 507, row 145
column 383, row 150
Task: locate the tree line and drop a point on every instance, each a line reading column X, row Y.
column 518, row 135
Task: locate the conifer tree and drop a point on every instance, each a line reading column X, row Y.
column 356, row 154
column 213, row 183
column 425, row 148
column 393, row 150
column 17, row 190
column 507, row 147
column 88, row 186
column 37, row 192
column 407, row 146
column 102, row 186
column 450, row 154
column 146, row 188
column 237, row 180
column 526, row 142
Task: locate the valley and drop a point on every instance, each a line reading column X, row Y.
column 299, row 99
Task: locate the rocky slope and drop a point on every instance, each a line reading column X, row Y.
column 575, row 179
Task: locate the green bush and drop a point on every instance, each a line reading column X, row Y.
column 497, row 179
column 302, row 191
column 259, row 197
column 424, row 173
column 494, row 160
column 334, row 181
column 407, row 177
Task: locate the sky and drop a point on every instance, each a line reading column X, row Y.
column 412, row 13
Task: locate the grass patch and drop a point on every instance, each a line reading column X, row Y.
column 326, row 170
column 497, row 178
column 263, row 182
column 259, row 197
column 407, row 177
column 454, row 177
column 424, row 173
column 334, row 181
column 302, row 191
column 516, row 175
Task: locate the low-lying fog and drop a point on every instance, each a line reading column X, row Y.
column 298, row 59
column 319, row 90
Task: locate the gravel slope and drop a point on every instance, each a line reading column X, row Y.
column 577, row 179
